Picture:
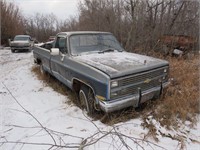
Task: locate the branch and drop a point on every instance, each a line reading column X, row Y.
column 92, row 140
column 42, row 144
column 30, row 114
column 176, row 16
column 122, row 140
column 50, row 130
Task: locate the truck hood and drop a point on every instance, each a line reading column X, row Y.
column 117, row 64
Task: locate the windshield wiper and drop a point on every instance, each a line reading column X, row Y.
column 107, row 50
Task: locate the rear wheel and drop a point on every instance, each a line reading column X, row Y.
column 87, row 99
column 42, row 71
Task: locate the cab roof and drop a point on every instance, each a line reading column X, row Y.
column 82, row 32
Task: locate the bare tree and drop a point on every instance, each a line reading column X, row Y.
column 139, row 24
column 42, row 26
column 12, row 21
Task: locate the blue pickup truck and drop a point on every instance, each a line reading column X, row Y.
column 101, row 72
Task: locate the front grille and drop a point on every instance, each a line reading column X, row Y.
column 145, row 81
column 141, row 77
column 18, row 46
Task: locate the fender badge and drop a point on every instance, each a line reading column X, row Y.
column 147, row 80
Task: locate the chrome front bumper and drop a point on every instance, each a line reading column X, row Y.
column 133, row 100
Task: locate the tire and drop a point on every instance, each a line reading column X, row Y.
column 12, row 50
column 87, row 100
column 42, row 71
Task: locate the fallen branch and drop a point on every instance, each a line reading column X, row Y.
column 116, row 136
column 42, row 144
column 30, row 114
column 113, row 132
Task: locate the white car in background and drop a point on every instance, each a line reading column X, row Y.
column 21, row 43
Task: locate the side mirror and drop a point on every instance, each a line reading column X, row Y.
column 54, row 51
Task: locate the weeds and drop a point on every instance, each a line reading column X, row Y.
column 57, row 86
column 181, row 100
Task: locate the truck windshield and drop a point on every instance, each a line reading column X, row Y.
column 21, row 38
column 88, row 43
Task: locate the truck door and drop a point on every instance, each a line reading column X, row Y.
column 58, row 63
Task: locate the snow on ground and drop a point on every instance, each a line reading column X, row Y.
column 68, row 125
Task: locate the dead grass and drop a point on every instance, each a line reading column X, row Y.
column 180, row 102
column 57, row 86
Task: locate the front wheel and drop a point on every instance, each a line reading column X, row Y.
column 87, row 99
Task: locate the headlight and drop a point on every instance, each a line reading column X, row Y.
column 114, row 84
column 165, row 70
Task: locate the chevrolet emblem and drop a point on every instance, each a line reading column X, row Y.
column 147, row 80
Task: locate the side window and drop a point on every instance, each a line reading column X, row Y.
column 61, row 44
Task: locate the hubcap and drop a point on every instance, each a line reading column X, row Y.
column 41, row 69
column 83, row 101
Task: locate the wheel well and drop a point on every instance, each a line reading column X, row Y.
column 77, row 85
column 38, row 61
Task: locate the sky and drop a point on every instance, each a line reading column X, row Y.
column 63, row 9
